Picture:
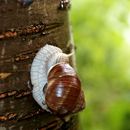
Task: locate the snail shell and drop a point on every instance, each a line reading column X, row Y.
column 64, row 90
column 56, row 87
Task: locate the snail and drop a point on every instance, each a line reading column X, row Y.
column 56, row 86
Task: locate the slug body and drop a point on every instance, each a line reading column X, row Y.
column 56, row 87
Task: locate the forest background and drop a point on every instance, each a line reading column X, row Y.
column 101, row 31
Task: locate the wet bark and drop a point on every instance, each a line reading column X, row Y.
column 24, row 28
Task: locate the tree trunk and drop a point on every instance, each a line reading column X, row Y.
column 25, row 27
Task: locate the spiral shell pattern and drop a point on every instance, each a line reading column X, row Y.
column 63, row 93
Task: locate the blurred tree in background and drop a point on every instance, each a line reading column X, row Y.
column 102, row 35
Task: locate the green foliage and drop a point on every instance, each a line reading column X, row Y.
column 102, row 36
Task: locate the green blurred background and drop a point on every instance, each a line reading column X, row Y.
column 101, row 31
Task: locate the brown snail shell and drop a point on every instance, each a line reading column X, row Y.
column 63, row 93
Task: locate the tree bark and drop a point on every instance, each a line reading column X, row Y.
column 24, row 28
